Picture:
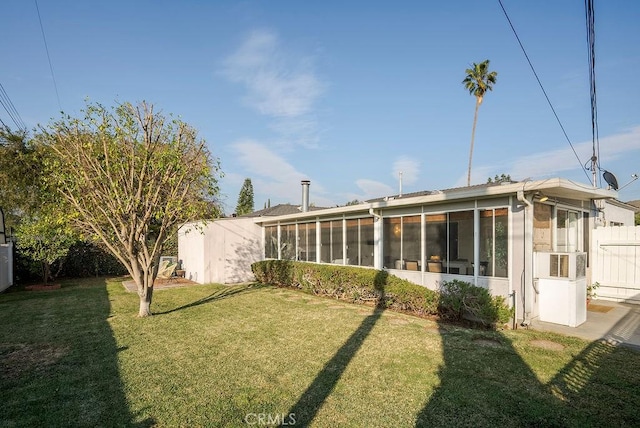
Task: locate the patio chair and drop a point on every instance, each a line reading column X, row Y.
column 166, row 269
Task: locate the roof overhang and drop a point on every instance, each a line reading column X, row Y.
column 553, row 188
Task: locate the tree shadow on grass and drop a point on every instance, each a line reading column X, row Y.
column 59, row 360
column 310, row 402
column 485, row 382
column 219, row 294
column 603, row 380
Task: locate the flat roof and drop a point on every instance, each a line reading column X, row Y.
column 552, row 188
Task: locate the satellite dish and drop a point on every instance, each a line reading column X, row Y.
column 611, row 180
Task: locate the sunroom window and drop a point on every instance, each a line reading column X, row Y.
column 271, row 242
column 360, row 242
column 494, row 242
column 402, row 242
column 307, row 242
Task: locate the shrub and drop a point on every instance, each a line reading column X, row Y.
column 455, row 301
column 352, row 284
column 88, row 259
column 460, row 300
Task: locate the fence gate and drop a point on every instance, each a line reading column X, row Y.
column 6, row 266
column 616, row 263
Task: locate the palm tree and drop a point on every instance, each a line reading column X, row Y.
column 479, row 80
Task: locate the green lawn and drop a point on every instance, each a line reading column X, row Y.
column 253, row 356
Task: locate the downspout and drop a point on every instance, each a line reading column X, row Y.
column 374, row 215
column 528, row 259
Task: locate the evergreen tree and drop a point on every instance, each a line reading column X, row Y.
column 245, row 199
column 502, row 178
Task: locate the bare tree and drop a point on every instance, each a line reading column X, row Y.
column 130, row 177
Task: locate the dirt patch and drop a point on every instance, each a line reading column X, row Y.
column 488, row 343
column 160, row 284
column 42, row 287
column 599, row 308
column 19, row 358
column 547, row 344
column 398, row 321
column 163, row 283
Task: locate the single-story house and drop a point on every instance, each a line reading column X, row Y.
column 617, row 213
column 527, row 241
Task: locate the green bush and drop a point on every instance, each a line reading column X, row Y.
column 455, row 301
column 352, row 284
column 87, row 259
column 84, row 259
column 461, row 300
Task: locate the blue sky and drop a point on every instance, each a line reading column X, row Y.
column 346, row 94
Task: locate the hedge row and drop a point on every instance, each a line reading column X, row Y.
column 83, row 260
column 456, row 301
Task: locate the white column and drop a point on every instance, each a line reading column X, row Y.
column 476, row 244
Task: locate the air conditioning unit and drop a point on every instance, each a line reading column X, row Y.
column 570, row 266
column 562, row 287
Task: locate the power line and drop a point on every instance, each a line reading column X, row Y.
column 11, row 109
column 543, row 91
column 46, row 47
column 591, row 37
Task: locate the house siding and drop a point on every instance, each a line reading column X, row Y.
column 220, row 251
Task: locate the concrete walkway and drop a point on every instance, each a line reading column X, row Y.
column 131, row 286
column 617, row 323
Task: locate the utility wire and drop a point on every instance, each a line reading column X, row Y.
column 591, row 36
column 46, row 47
column 543, row 91
column 11, row 110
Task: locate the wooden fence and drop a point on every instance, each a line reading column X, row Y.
column 616, row 263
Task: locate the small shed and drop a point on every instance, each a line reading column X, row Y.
column 220, row 250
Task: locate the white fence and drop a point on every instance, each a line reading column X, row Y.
column 6, row 266
column 616, row 263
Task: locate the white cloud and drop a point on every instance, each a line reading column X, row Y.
column 273, row 176
column 258, row 159
column 557, row 163
column 410, row 169
column 301, row 131
column 373, row 189
column 277, row 85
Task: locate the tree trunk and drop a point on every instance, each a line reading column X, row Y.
column 145, row 301
column 473, row 136
column 46, row 272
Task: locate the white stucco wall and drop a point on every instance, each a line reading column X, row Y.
column 221, row 252
column 190, row 250
column 618, row 215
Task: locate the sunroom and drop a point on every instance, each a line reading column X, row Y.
column 508, row 238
